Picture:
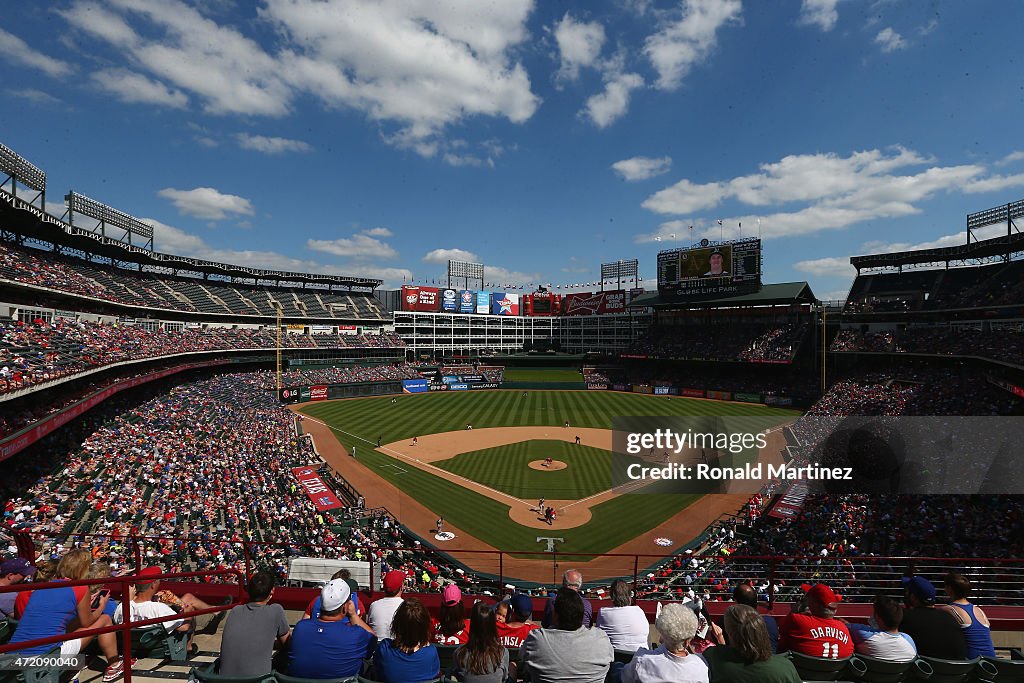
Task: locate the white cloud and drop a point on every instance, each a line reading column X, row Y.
column 504, row 276
column 832, row 266
column 889, row 40
column 136, row 88
column 688, row 38
column 271, row 145
column 207, row 203
column 378, row 232
column 836, row 192
column 608, row 106
column 642, row 168
column 420, row 66
column 820, row 13
column 446, row 255
column 34, row 96
column 16, row 50
column 1011, row 158
column 362, row 245
column 579, row 45
column 171, row 240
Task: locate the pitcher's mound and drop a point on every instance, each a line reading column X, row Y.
column 555, row 465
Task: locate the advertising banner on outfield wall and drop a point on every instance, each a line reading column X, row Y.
column 620, row 387
column 458, row 387
column 467, row 301
column 321, row 329
column 594, row 303
column 504, row 303
column 471, row 379
column 449, row 300
column 778, row 400
column 438, row 387
column 318, row 393
column 485, row 385
column 661, row 391
column 425, row 299
column 596, row 386
column 414, row 386
column 693, row 393
column 747, row 398
column 719, row 395
column 483, row 303
column 319, row 493
column 348, row 329
column 643, row 389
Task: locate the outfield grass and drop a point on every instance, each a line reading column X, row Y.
column 506, row 468
column 362, row 421
column 543, row 375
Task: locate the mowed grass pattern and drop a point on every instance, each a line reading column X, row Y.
column 507, row 468
column 363, row 421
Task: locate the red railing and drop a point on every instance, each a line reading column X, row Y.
column 127, row 624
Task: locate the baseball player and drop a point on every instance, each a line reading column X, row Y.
column 439, row 524
column 540, row 504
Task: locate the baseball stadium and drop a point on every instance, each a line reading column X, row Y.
column 221, row 463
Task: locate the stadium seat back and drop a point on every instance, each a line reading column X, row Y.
column 206, row 674
column 884, row 671
column 6, row 631
column 285, row 678
column 1007, row 671
column 820, row 669
column 157, row 642
column 446, row 653
column 953, row 670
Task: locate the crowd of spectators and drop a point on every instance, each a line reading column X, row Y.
column 722, row 341
column 1004, row 343
column 349, row 374
column 35, row 352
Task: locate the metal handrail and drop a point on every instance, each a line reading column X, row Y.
column 126, row 626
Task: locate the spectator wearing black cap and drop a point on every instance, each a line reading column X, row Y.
column 935, row 632
column 12, row 572
column 744, row 594
column 567, row 651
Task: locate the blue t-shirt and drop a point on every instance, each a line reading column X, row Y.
column 328, row 649
column 47, row 614
column 395, row 666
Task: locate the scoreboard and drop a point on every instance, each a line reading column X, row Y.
column 711, row 269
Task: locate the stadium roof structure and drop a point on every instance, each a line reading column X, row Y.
column 23, row 219
column 779, row 294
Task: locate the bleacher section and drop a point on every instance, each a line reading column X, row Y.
column 168, row 292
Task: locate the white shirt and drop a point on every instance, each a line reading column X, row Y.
column 661, row 666
column 149, row 610
column 379, row 617
column 626, row 627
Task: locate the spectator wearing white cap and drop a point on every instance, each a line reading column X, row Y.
column 327, row 647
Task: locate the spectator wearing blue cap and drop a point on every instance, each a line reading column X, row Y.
column 518, row 621
column 934, row 631
column 12, row 572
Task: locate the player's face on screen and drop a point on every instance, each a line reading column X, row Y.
column 716, row 261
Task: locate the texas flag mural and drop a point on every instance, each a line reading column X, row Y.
column 319, row 493
column 504, row 303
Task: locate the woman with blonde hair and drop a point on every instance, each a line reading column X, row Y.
column 747, row 655
column 56, row 611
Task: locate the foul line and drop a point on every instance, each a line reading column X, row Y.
column 422, row 465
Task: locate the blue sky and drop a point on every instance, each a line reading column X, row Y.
column 382, row 137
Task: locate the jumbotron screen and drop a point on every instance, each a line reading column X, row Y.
column 711, row 269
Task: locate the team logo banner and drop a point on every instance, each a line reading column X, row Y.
column 449, row 300
column 596, row 303
column 467, row 301
column 319, row 493
column 504, row 303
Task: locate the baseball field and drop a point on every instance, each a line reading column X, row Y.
column 486, row 481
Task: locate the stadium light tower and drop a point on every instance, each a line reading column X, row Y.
column 19, row 170
column 108, row 216
column 619, row 270
column 468, row 272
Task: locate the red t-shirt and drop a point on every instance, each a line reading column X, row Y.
column 514, row 636
column 438, row 638
column 815, row 636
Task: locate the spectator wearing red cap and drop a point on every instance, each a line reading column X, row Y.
column 12, row 572
column 451, row 627
column 816, row 632
column 382, row 610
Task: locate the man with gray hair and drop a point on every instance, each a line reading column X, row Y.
column 672, row 661
column 625, row 623
column 573, row 580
